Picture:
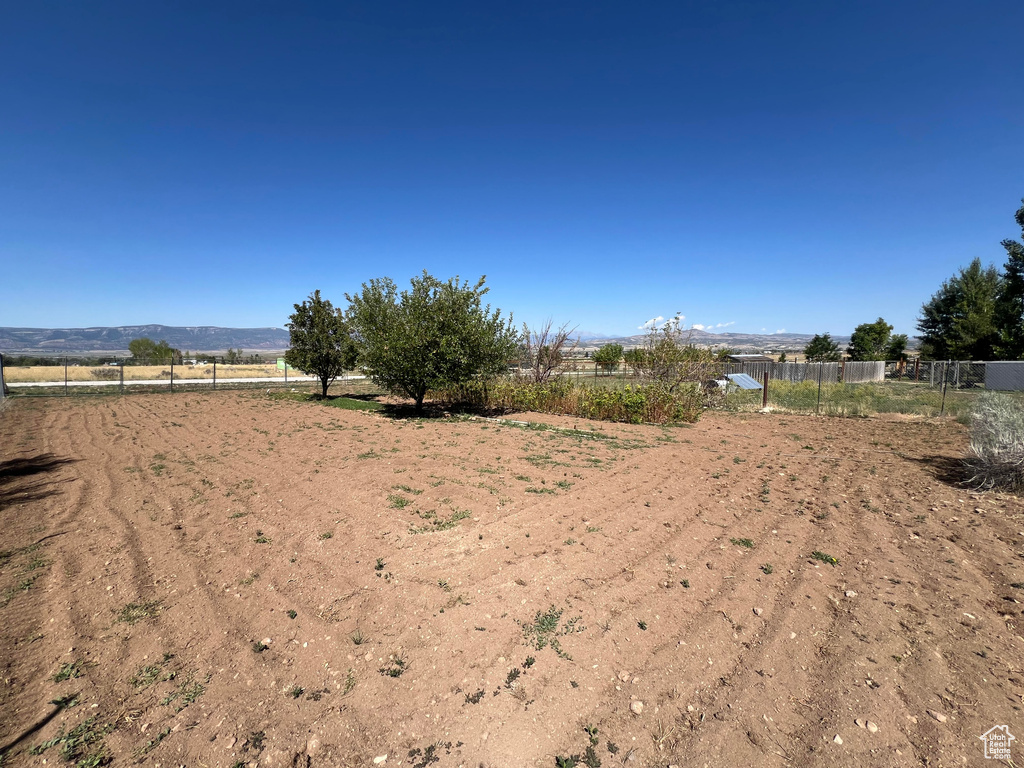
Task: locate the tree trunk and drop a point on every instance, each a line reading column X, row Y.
column 325, row 383
column 419, row 403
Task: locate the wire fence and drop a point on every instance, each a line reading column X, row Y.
column 67, row 375
column 927, row 388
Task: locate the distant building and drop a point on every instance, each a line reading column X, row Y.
column 751, row 359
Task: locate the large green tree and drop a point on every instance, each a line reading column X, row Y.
column 433, row 335
column 320, row 342
column 959, row 321
column 874, row 341
column 147, row 351
column 607, row 357
column 1010, row 304
column 821, row 349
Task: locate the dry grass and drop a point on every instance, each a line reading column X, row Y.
column 55, row 373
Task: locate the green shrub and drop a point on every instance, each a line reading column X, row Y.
column 633, row 404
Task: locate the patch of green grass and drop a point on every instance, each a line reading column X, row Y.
column 261, row 537
column 643, row 625
column 397, row 501
column 296, row 691
column 685, row 583
column 357, row 637
column 475, row 698
column 82, row 745
column 380, row 565
column 186, row 693
column 68, row 671
column 249, row 579
column 440, row 523
column 395, row 666
column 136, row 612
column 767, row 568
column 533, row 489
column 544, row 630
column 259, row 646
column 825, row 558
column 747, row 543
column 146, row 676
column 326, row 535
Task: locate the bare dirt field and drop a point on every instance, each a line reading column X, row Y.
column 227, row 579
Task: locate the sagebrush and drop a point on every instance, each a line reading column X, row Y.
column 996, row 453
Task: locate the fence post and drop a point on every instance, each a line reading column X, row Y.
column 917, row 369
column 285, row 371
column 214, row 373
column 945, row 380
column 764, row 395
column 121, row 388
column 172, row 374
column 3, row 387
column 821, row 369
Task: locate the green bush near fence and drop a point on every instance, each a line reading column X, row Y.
column 633, row 403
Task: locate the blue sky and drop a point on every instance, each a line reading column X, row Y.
column 805, row 166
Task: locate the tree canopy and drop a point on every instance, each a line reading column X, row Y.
column 959, row 321
column 1010, row 303
column 433, row 335
column 147, row 350
column 821, row 349
column 321, row 344
column 608, row 356
column 874, row 341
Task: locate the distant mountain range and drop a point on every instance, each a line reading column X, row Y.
column 203, row 338
column 206, row 338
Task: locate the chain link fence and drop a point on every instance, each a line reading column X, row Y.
column 925, row 388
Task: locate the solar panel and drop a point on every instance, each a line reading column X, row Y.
column 743, row 381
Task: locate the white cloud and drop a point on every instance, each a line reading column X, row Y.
column 781, row 330
column 726, row 325
column 763, row 330
column 699, row 327
column 655, row 322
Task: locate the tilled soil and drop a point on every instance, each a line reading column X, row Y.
column 227, row 579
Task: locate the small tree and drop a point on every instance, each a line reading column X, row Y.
column 897, row 348
column 870, row 341
column 607, row 357
column 668, row 358
column 321, row 344
column 233, row 356
column 547, row 350
column 822, row 349
column 782, row 357
column 434, row 335
column 635, row 359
